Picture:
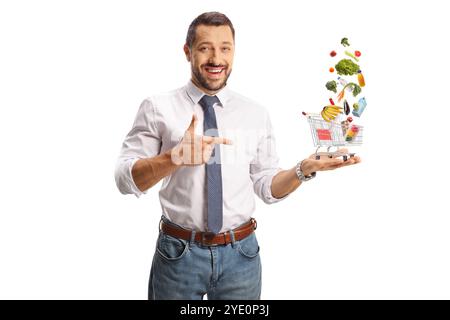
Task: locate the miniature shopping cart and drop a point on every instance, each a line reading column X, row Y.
column 333, row 134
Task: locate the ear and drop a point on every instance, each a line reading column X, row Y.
column 187, row 52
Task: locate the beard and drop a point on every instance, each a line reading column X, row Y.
column 204, row 82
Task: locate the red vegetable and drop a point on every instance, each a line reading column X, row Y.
column 357, row 53
column 349, row 119
column 331, row 69
column 333, row 53
column 331, row 101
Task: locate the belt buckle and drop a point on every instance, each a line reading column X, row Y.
column 207, row 238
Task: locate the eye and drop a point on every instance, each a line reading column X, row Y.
column 203, row 49
column 226, row 49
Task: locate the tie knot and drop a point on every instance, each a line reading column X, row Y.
column 208, row 101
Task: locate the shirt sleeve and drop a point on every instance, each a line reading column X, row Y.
column 265, row 165
column 143, row 141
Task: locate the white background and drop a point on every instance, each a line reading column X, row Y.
column 73, row 73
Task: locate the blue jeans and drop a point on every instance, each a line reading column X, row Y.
column 186, row 270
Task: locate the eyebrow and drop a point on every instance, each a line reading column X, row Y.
column 207, row 42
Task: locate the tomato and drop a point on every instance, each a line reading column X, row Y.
column 357, row 53
column 331, row 69
column 333, row 53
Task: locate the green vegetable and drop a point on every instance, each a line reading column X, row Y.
column 331, row 85
column 355, row 106
column 344, row 42
column 346, row 67
column 351, row 56
column 356, row 88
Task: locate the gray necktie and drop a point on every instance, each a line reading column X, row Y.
column 213, row 167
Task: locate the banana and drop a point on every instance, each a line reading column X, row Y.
column 334, row 108
column 325, row 116
column 330, row 113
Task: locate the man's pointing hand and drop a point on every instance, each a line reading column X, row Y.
column 194, row 149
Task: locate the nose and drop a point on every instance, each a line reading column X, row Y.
column 214, row 58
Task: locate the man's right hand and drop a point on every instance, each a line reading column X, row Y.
column 194, row 149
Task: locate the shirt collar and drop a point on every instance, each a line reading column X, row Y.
column 196, row 94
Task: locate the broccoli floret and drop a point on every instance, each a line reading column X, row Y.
column 331, row 85
column 344, row 42
column 356, row 89
column 346, row 67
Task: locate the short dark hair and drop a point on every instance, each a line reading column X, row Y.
column 209, row 19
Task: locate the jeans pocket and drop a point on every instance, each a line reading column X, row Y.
column 249, row 246
column 170, row 248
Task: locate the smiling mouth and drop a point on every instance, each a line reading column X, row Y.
column 214, row 71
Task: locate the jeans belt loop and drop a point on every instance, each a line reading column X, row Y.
column 191, row 242
column 233, row 239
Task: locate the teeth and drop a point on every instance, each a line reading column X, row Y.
column 214, row 70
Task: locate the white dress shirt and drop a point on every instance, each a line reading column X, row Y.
column 248, row 165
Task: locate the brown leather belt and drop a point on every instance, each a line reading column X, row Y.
column 208, row 238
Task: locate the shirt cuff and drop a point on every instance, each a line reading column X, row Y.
column 131, row 185
column 267, row 190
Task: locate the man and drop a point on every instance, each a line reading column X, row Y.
column 214, row 148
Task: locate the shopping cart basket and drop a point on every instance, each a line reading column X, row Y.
column 332, row 134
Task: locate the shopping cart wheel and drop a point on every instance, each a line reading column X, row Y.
column 352, row 155
column 317, row 157
column 344, row 157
